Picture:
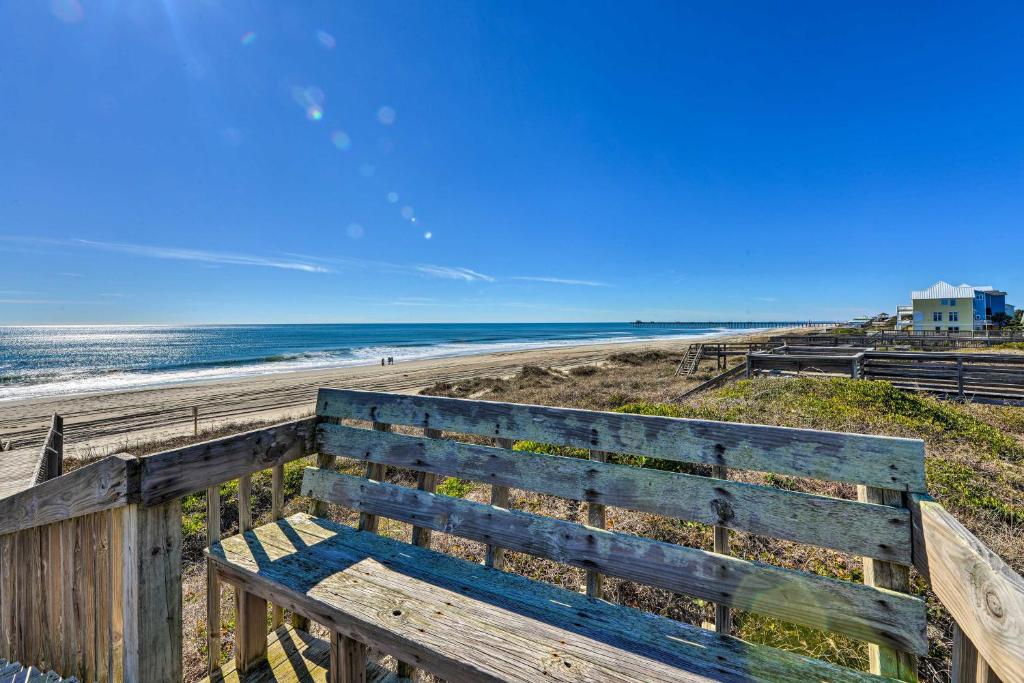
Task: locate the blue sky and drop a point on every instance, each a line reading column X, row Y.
column 171, row 161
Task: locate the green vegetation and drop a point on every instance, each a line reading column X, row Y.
column 454, row 487
column 973, row 453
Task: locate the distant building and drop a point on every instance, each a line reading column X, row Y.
column 945, row 308
column 904, row 317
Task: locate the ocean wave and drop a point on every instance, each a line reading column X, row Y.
column 34, row 384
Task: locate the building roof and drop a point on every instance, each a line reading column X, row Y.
column 944, row 290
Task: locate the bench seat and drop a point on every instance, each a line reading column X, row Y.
column 465, row 622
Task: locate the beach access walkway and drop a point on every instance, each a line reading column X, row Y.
column 19, row 469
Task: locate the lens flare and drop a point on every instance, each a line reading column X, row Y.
column 386, row 115
column 427, row 235
column 341, row 140
column 407, row 213
column 311, row 99
column 355, row 231
column 367, row 170
column 326, row 39
column 248, row 38
column 392, row 197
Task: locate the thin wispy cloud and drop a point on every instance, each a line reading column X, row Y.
column 561, row 281
column 41, row 302
column 450, row 273
column 149, row 251
column 769, row 299
column 203, row 256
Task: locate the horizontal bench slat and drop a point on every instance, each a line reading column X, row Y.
column 855, row 610
column 859, row 528
column 884, row 462
column 467, row 623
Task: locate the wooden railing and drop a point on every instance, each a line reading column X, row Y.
column 90, row 562
column 51, row 455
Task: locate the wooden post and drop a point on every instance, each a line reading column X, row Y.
column 375, row 471
column 277, row 511
column 960, row 377
column 723, row 618
column 596, row 518
column 147, row 629
column 317, row 508
column 348, row 660
column 425, row 481
column 195, row 421
column 212, row 581
column 251, row 610
column 968, row 666
column 350, row 654
column 495, row 557
column 55, row 452
column 886, row 661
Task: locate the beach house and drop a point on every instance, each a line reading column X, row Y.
column 947, row 308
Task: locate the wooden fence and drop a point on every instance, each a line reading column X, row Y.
column 964, row 375
column 897, row 340
column 959, row 374
column 51, row 456
column 813, row 359
column 90, row 562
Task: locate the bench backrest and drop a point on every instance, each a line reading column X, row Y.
column 882, row 532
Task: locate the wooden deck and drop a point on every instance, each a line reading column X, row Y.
column 14, row 672
column 294, row 656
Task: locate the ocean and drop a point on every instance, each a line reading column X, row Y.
column 75, row 359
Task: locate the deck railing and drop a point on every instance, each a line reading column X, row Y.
column 90, row 563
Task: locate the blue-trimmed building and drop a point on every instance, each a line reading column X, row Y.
column 947, row 308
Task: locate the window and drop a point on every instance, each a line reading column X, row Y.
column 954, row 328
column 938, row 328
column 937, row 317
column 954, row 316
column 942, row 302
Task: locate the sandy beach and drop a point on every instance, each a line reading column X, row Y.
column 101, row 423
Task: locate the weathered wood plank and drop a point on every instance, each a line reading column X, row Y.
column 276, row 512
column 886, row 661
column 151, row 581
column 100, row 486
column 294, row 656
column 468, row 623
column 596, row 518
column 723, row 617
column 494, row 555
column 176, row 473
column 855, row 458
column 425, row 481
column 984, row 595
column 850, row 526
column 348, row 660
column 968, row 667
column 374, row 471
column 858, row 611
column 213, row 624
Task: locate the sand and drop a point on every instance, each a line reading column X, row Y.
column 102, row 423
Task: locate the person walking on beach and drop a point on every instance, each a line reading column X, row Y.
column 382, row 362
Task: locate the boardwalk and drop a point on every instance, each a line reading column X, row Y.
column 19, row 466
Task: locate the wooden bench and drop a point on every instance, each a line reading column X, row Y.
column 469, row 622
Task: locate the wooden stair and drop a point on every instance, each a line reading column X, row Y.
column 691, row 361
